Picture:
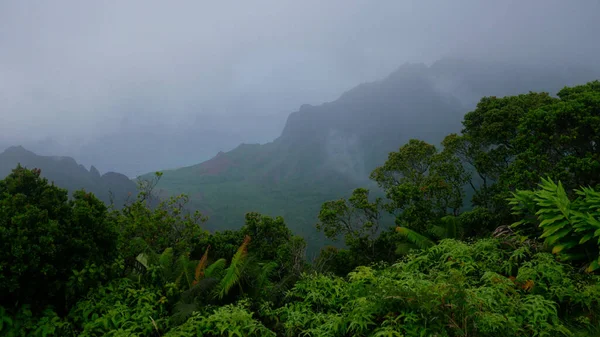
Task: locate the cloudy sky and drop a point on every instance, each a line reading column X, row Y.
column 73, row 70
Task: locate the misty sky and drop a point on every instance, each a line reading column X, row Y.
column 74, row 70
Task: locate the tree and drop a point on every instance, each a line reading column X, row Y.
column 273, row 241
column 356, row 219
column 267, row 234
column 487, row 146
column 151, row 224
column 560, row 140
column 511, row 142
column 44, row 237
column 421, row 184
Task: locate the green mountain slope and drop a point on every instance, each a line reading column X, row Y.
column 326, row 151
column 65, row 172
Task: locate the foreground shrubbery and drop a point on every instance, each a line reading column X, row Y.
column 77, row 268
column 492, row 287
column 487, row 288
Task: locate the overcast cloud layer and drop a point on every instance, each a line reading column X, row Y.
column 75, row 70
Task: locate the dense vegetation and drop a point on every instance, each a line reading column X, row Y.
column 519, row 258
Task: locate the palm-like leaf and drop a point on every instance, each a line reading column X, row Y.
column 446, row 228
column 415, row 238
column 166, row 258
column 184, row 269
column 266, row 270
column 215, row 268
column 234, row 271
column 199, row 272
column 405, row 248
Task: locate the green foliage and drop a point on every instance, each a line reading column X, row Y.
column 513, row 141
column 356, row 219
column 223, row 244
column 44, row 237
column 121, row 308
column 233, row 273
column 149, row 269
column 560, row 140
column 487, row 288
column 422, row 186
column 359, row 221
column 447, row 227
column 273, row 241
column 229, row 320
column 478, row 222
column 421, row 183
column 570, row 228
column 24, row 324
column 167, row 225
column 415, row 238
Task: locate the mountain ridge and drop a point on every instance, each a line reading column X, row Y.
column 66, row 173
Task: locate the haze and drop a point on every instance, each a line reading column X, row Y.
column 136, row 86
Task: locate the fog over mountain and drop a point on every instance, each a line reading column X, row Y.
column 138, row 86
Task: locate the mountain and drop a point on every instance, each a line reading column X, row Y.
column 326, row 151
column 67, row 173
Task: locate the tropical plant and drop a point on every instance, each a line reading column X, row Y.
column 571, row 228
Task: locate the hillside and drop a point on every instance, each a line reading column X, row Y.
column 325, row 151
column 65, row 172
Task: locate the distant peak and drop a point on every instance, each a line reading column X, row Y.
column 17, row 150
column 94, row 171
column 409, row 69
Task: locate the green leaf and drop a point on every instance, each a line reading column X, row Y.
column 415, row 238
column 586, row 238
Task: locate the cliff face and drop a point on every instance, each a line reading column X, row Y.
column 354, row 134
column 65, row 172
